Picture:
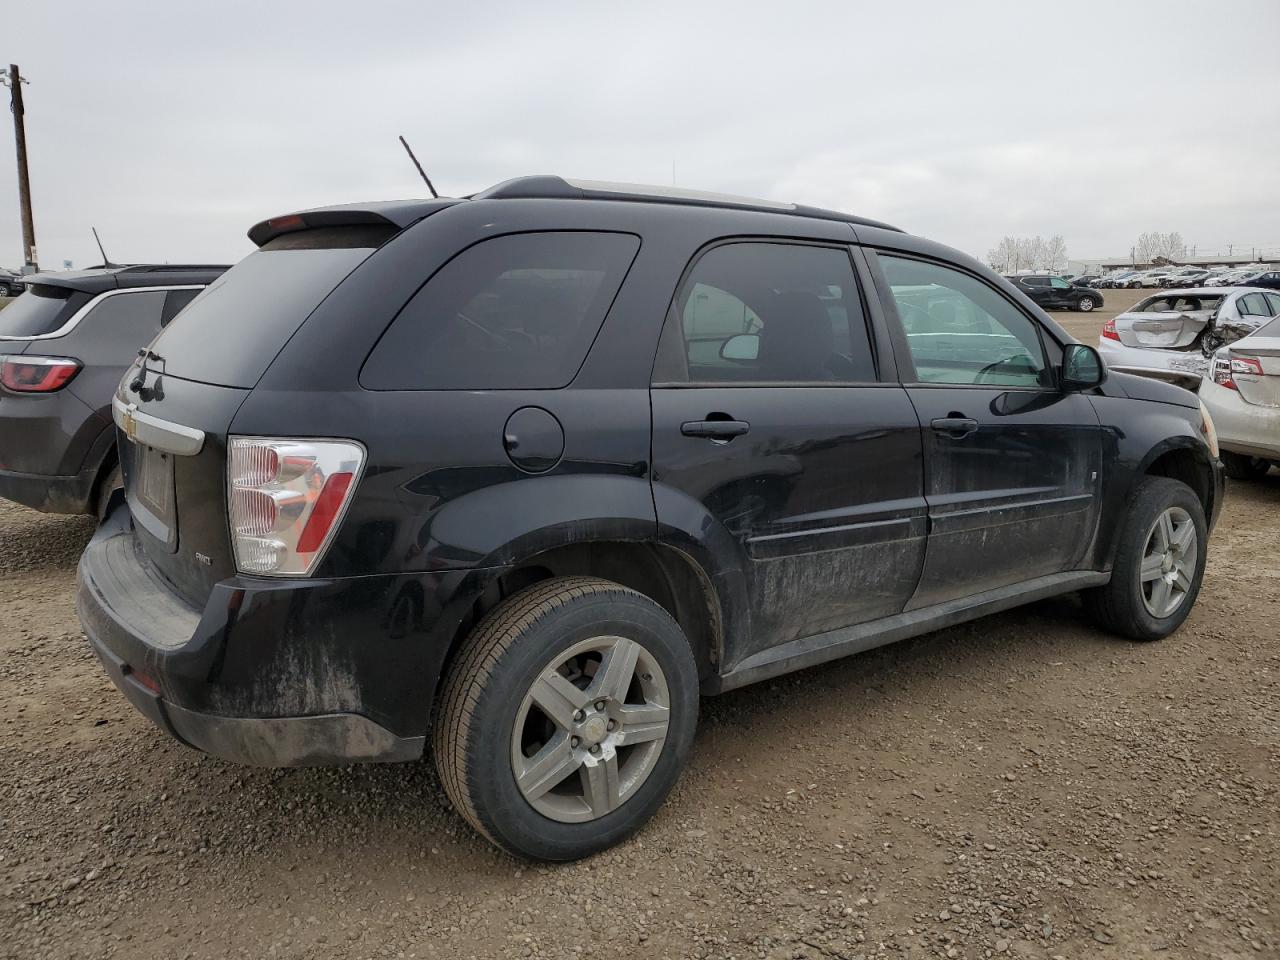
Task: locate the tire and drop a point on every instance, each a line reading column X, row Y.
column 1240, row 467
column 1086, row 304
column 4, row 290
column 1129, row 605
column 491, row 726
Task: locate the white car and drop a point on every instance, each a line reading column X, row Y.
column 1241, row 391
column 1171, row 335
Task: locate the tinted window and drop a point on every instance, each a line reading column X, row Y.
column 231, row 332
column 1059, row 284
column 768, row 312
column 174, row 302
column 125, row 321
column 1036, row 281
column 959, row 330
column 515, row 312
column 42, row 309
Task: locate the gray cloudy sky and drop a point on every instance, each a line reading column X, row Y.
column 173, row 126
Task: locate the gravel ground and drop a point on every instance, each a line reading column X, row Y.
column 1021, row 786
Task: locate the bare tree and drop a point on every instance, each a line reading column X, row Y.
column 1004, row 258
column 1056, row 253
column 1012, row 254
column 1154, row 244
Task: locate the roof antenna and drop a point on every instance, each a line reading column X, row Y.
column 106, row 261
column 409, row 150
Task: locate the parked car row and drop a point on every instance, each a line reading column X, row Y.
column 524, row 474
column 1177, row 277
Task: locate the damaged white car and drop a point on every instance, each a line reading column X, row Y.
column 1171, row 336
column 1241, row 391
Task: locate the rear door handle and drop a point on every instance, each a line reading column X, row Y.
column 715, row 429
column 955, row 427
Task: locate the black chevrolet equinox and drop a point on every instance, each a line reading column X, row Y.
column 526, row 473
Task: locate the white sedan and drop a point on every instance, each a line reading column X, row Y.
column 1241, row 391
column 1171, row 335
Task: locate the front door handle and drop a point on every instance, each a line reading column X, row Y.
column 722, row 430
column 955, row 427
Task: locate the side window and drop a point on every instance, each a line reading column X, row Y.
column 1274, row 300
column 754, row 312
column 515, row 312
column 130, row 320
column 1059, row 284
column 173, row 304
column 1254, row 305
column 961, row 331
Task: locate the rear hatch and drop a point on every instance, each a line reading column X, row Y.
column 1260, row 356
column 175, row 405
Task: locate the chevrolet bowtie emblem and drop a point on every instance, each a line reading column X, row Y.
column 130, row 423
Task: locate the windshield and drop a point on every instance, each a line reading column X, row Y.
column 42, row 310
column 231, row 332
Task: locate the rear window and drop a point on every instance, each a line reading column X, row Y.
column 515, row 312
column 41, row 310
column 231, row 332
column 1173, row 303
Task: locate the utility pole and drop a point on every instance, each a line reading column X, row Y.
column 14, row 82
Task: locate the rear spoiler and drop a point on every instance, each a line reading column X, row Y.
column 393, row 213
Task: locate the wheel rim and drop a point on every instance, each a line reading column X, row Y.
column 590, row 729
column 1086, row 304
column 1169, row 562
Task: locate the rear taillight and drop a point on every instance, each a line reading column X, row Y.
column 1220, row 371
column 1109, row 331
column 1251, row 366
column 287, row 498
column 37, row 374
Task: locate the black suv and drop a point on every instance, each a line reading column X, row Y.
column 1055, row 293
column 527, row 472
column 63, row 347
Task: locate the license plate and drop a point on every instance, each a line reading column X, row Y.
column 154, row 483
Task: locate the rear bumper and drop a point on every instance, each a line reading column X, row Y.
column 272, row 673
column 1242, row 427
column 49, row 494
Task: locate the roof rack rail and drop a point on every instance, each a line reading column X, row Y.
column 170, row 267
column 552, row 187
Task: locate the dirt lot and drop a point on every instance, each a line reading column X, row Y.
column 1019, row 786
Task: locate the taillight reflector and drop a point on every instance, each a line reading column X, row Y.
column 25, row 374
column 1109, row 331
column 325, row 512
column 286, row 498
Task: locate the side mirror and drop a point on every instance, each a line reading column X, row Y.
column 743, row 346
column 1082, row 367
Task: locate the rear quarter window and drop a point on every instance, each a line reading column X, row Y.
column 42, row 310
column 514, row 312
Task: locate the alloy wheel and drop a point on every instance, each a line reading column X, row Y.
column 1086, row 304
column 1169, row 562
column 590, row 729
